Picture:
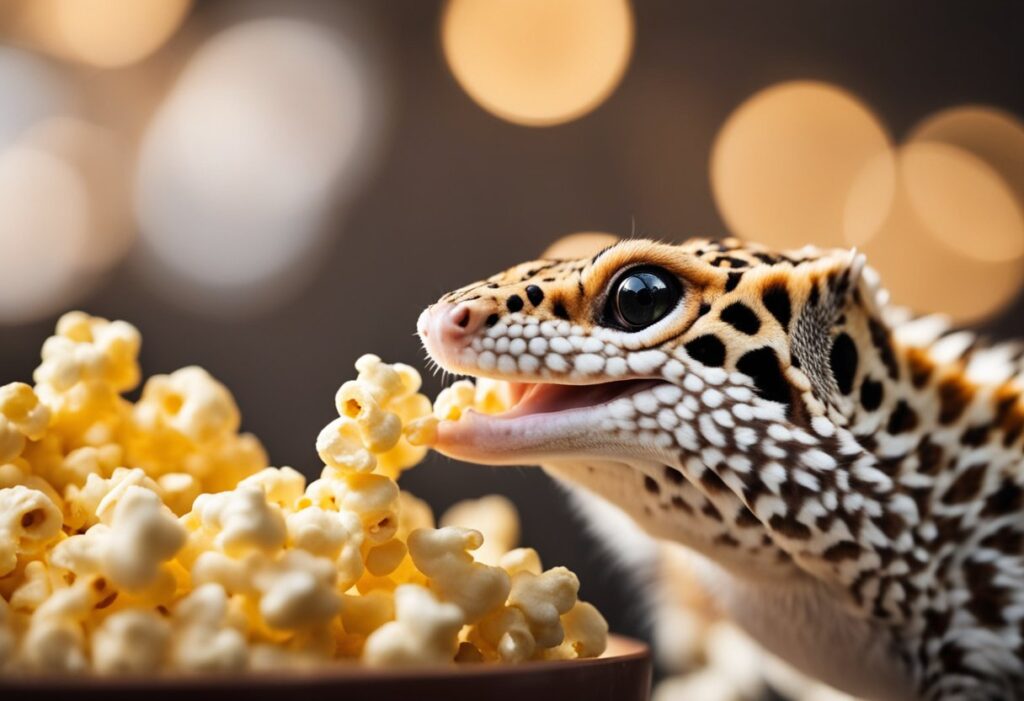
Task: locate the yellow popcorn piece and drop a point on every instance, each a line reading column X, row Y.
column 443, row 555
column 146, row 537
column 453, row 401
column 130, row 642
column 505, row 635
column 144, row 534
column 22, row 416
column 521, row 560
column 586, row 630
column 298, row 591
column 424, row 631
column 543, row 599
column 28, row 522
column 203, row 641
column 242, row 519
column 496, row 519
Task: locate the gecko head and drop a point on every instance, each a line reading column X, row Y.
column 648, row 350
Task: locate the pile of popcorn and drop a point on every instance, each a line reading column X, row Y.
column 152, row 536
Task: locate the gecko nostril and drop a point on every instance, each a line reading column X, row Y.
column 461, row 316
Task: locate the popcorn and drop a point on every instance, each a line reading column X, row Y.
column 424, row 631
column 543, row 599
column 144, row 534
column 586, row 631
column 336, row 535
column 202, row 641
column 130, row 642
column 242, row 519
column 146, row 537
column 506, row 634
column 22, row 416
column 28, row 522
column 496, row 519
column 298, row 591
column 443, row 555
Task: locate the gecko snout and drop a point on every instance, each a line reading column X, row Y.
column 446, row 325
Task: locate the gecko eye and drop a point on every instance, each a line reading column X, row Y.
column 642, row 296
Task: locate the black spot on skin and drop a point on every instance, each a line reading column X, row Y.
column 930, row 457
column 732, row 281
column 871, row 394
column 651, row 485
column 580, row 289
column 966, row 486
column 712, row 482
column 815, row 295
column 776, row 301
column 1005, row 540
column 711, row 511
column 954, row 396
column 679, row 503
column 707, row 350
column 725, row 540
column 880, row 340
column 794, row 360
column 673, row 475
column 843, row 550
column 890, row 523
column 789, row 527
column 903, row 419
column 746, row 519
column 975, row 436
column 559, row 311
column 514, row 303
column 492, row 285
column 988, row 599
column 704, row 309
column 843, row 361
column 763, row 366
column 741, row 317
column 1007, row 499
column 534, row 294
column 492, row 320
column 729, row 261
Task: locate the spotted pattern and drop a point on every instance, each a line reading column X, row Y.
column 800, row 425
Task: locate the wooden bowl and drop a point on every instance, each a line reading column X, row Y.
column 623, row 673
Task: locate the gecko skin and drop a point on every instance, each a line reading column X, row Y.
column 851, row 477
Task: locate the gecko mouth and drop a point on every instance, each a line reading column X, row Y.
column 547, row 420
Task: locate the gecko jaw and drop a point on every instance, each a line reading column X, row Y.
column 547, row 420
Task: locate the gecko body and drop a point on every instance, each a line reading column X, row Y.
column 849, row 476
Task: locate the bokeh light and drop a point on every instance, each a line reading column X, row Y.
column 996, row 141
column 265, row 129
column 43, row 233
column 946, row 201
column 538, row 62
column 579, row 245
column 31, row 91
column 101, row 160
column 104, row 33
column 783, row 164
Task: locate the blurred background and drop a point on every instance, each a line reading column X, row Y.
column 270, row 190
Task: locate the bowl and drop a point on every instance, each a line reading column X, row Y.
column 623, row 673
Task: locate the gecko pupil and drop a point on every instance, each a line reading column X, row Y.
column 643, row 297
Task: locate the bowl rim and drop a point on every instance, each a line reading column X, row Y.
column 620, row 650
